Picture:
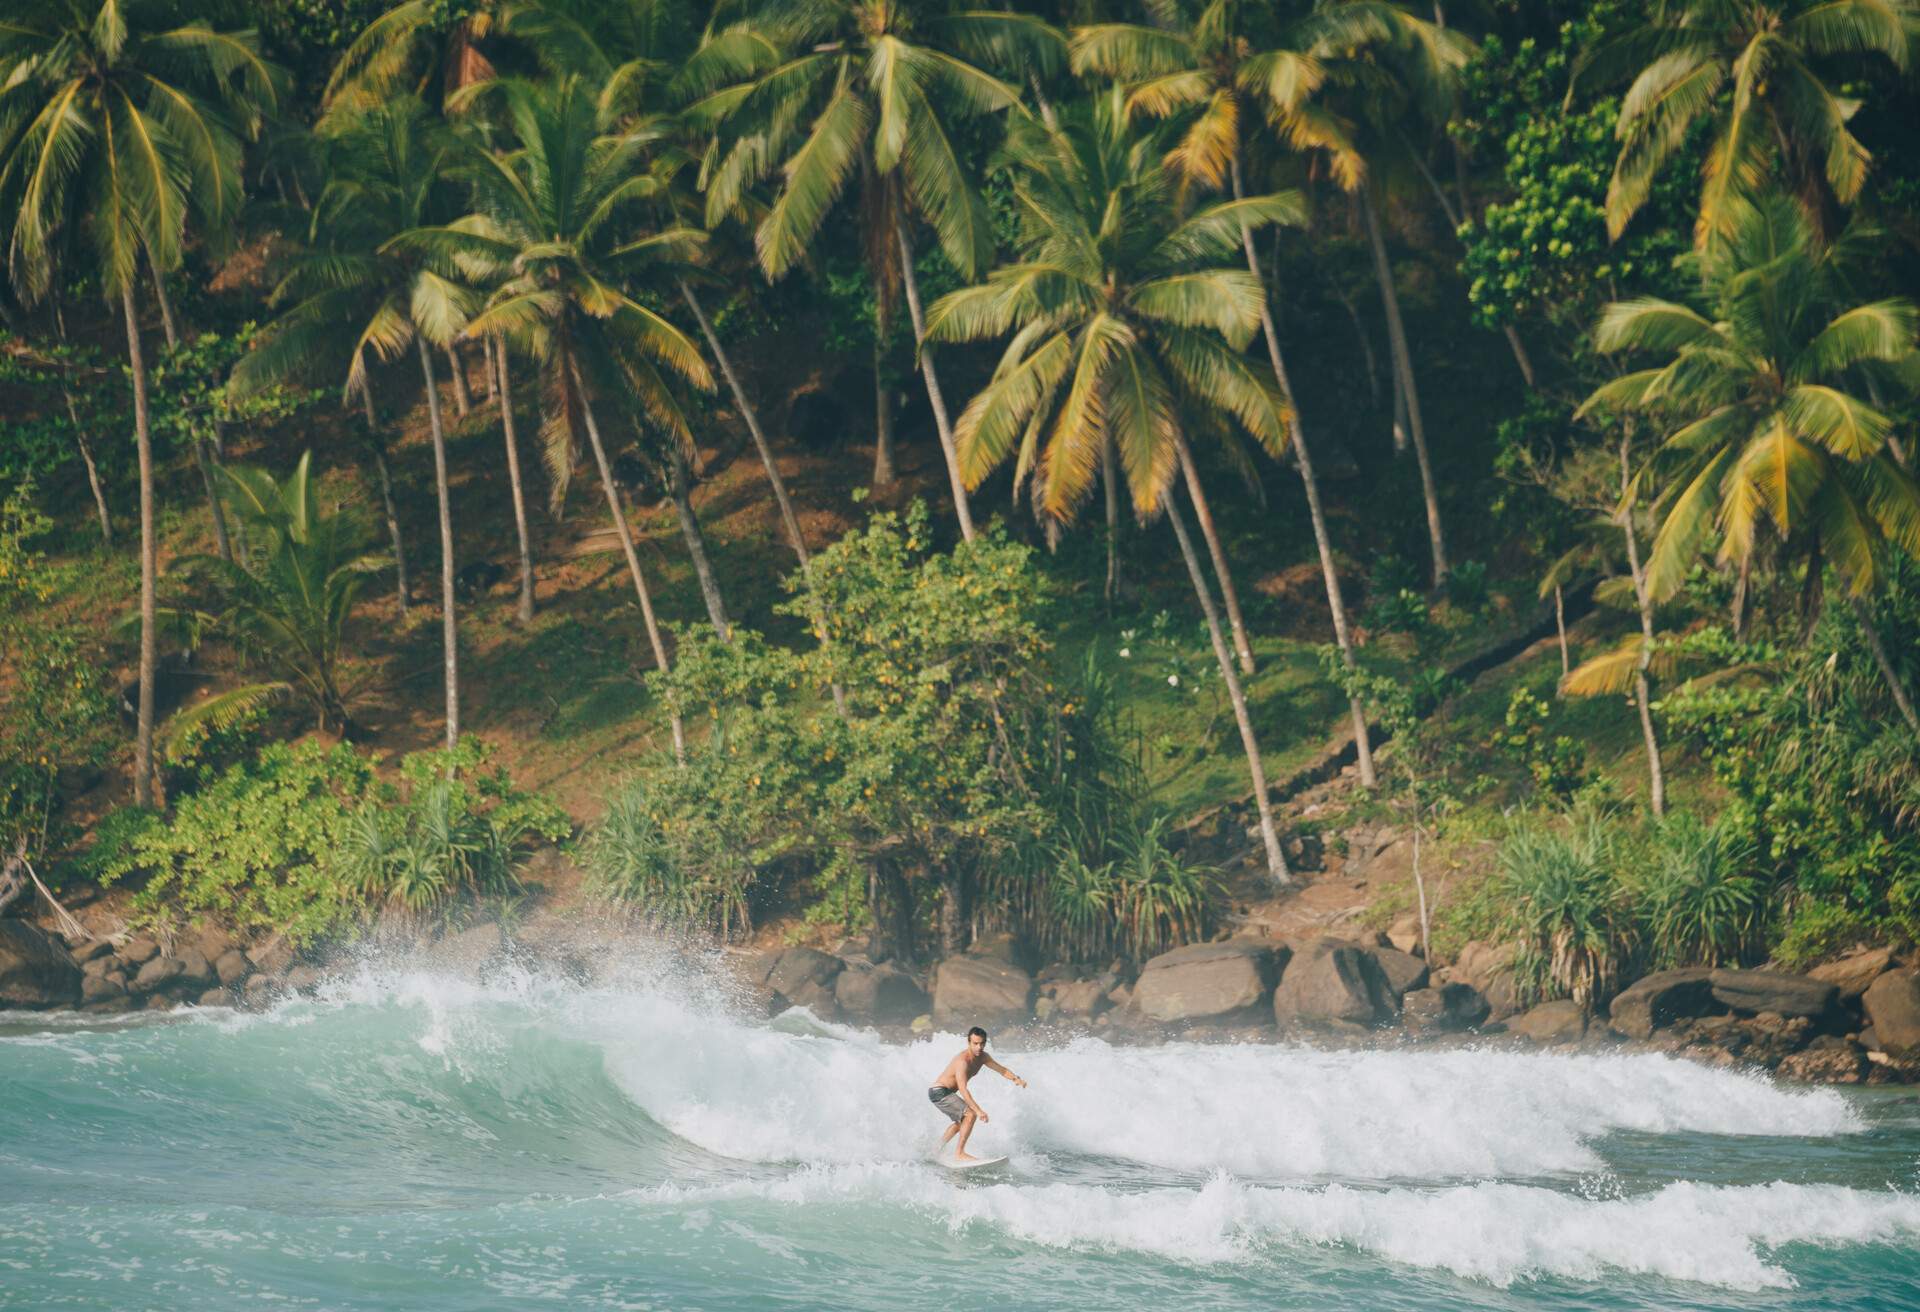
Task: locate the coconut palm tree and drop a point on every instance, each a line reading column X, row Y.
column 122, row 121
column 1766, row 73
column 1127, row 323
column 868, row 93
column 1221, row 71
column 559, row 233
column 1768, row 408
column 362, row 285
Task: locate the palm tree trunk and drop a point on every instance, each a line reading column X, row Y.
column 168, row 325
column 680, row 486
column 220, row 538
column 1642, row 686
column 1211, row 536
column 927, row 371
column 624, row 532
column 449, row 623
column 1111, row 485
column 80, row 436
column 1560, row 625
column 1367, row 356
column 1403, row 369
column 1276, row 860
column 1864, row 614
column 1322, row 541
column 1740, row 586
column 490, row 367
column 1400, row 442
column 379, row 449
column 462, row 400
column 149, row 563
column 882, row 421
column 502, row 387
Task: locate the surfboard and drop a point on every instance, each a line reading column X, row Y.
column 952, row 1165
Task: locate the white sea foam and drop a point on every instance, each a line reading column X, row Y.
column 1497, row 1233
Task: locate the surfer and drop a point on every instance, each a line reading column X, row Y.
column 951, row 1095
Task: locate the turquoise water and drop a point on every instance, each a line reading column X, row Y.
column 414, row 1142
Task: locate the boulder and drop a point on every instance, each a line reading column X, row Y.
column 158, row 1002
column 1045, row 1008
column 1892, row 1004
column 214, row 941
column 1331, row 980
column 1404, row 934
column 885, row 995
column 1446, row 1007
column 1489, row 968
column 1852, row 975
column 1083, row 999
column 232, row 967
column 466, row 952
column 1754, row 991
column 1841, row 1063
column 1564, row 1021
column 196, row 971
column 98, row 988
column 271, row 957
column 1001, row 946
column 1404, row 971
column 304, row 979
column 804, row 977
column 35, row 970
column 138, row 951
column 92, row 949
column 972, row 990
column 215, row 998
column 1656, row 1001
column 157, row 974
column 1218, row 983
column 109, row 1006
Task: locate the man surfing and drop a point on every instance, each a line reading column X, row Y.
column 951, row 1095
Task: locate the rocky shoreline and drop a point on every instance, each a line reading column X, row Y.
column 1851, row 1021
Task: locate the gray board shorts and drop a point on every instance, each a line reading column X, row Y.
column 948, row 1101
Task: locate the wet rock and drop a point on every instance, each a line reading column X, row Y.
column 804, row 977
column 304, row 979
column 196, row 972
column 1777, row 991
column 1404, row 971
column 1083, row 999
column 159, row 1002
column 138, row 951
column 100, row 987
column 1892, row 1004
column 232, row 967
column 1564, row 1021
column 215, row 941
column 1489, row 968
column 91, row 950
column 110, row 1006
column 882, row 995
column 1658, row 1000
column 972, row 990
column 1213, row 983
column 1841, row 1063
column 1854, row 974
column 157, row 974
column 1330, row 980
column 1044, row 1009
column 1450, row 1007
column 101, row 965
column 215, row 998
column 467, row 952
column 272, row 957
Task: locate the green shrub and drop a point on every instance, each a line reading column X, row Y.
column 1571, row 916
column 1816, row 930
column 1697, row 895
column 1468, row 588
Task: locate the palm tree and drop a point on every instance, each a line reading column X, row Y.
column 121, row 120
column 1762, row 71
column 868, row 95
column 1221, row 70
column 388, row 176
column 290, row 612
column 1767, row 408
column 1127, row 324
column 557, row 222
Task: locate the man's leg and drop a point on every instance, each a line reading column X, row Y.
column 966, row 1128
column 952, row 1130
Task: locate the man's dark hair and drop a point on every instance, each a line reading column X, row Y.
column 976, row 1030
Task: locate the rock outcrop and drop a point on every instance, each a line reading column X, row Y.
column 1489, row 968
column 1404, row 971
column 970, row 990
column 1447, row 1008
column 1854, row 974
column 1752, row 992
column 1564, row 1021
column 1334, row 981
column 1210, row 983
column 1658, row 1000
column 35, row 970
column 1892, row 1005
column 880, row 995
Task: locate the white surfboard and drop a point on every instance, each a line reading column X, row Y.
column 952, row 1165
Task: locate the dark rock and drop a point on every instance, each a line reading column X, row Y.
column 195, row 970
column 102, row 965
column 1404, row 934
column 159, row 1002
column 1756, row 991
column 1844, row 1064
column 272, row 957
column 157, row 974
column 881, row 994
column 98, row 988
column 110, row 1006
column 1449, row 1007
column 1564, row 1021
column 1219, row 983
column 232, row 967
column 1892, row 1005
column 981, row 991
column 1330, row 980
column 1404, row 971
column 215, row 998
column 1084, row 999
column 1658, row 1000
column 1489, row 968
column 1854, row 974
column 139, row 951
column 792, row 972
column 92, row 949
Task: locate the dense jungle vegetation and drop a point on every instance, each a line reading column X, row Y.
column 910, row 467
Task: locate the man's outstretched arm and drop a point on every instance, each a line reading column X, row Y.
column 993, row 1065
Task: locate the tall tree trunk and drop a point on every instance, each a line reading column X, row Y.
column 927, row 371
column 449, row 623
column 1322, row 541
column 378, row 446
column 1642, row 686
column 1560, row 626
column 1403, row 369
column 168, row 325
column 491, row 368
column 1110, row 483
column 503, row 393
column 680, row 488
column 624, row 532
column 220, row 538
column 1400, row 441
column 1241, row 645
column 457, row 368
column 883, row 474
column 1740, row 586
column 1367, row 356
column 1864, row 614
column 80, row 433
column 1276, row 860
column 149, row 557
column 954, row 924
